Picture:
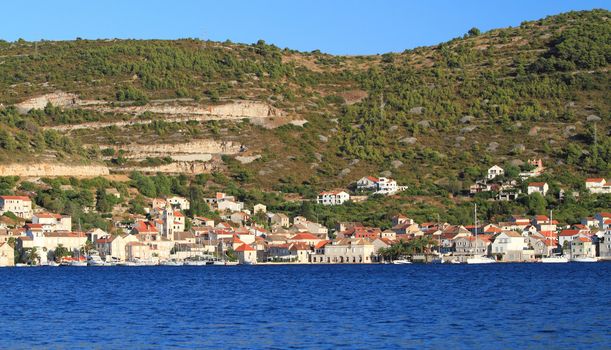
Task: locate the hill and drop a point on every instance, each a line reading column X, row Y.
column 434, row 118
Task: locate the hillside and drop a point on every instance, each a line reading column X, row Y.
column 433, row 117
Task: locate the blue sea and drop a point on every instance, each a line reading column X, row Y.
column 499, row 306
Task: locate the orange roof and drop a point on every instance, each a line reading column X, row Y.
column 569, row 232
column 373, row 178
column 177, row 213
column 321, row 244
column 244, row 247
column 536, row 184
column 237, row 240
column 23, row 198
column 299, row 246
column 583, row 239
column 595, row 179
column 144, row 226
column 303, row 236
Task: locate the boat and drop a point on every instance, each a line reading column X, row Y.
column 401, row 262
column 224, row 263
column 96, row 260
column 77, row 263
column 480, row 260
column 554, row 259
column 126, row 263
column 52, row 263
column 584, row 259
column 171, row 263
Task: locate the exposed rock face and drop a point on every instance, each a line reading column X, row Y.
column 234, row 110
column 176, row 168
column 51, row 170
column 58, row 98
column 201, row 150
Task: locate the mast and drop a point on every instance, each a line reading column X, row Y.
column 475, row 222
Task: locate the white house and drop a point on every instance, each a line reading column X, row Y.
column 605, row 246
column 21, row 206
column 259, row 208
column 230, row 205
column 540, row 187
column 53, row 222
column 367, row 183
column 508, row 241
column 536, row 171
column 495, row 171
column 179, row 202
column 598, row 186
column 333, row 197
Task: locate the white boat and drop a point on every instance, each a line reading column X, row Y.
column 126, row 263
column 52, row 263
column 224, row 263
column 171, row 263
column 555, row 259
column 584, row 260
column 195, row 263
column 480, row 260
column 77, row 263
column 401, row 262
column 95, row 260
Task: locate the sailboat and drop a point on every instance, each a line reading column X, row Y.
column 554, row 259
column 478, row 259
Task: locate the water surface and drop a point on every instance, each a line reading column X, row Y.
column 500, row 306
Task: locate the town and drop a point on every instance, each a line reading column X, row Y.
column 255, row 235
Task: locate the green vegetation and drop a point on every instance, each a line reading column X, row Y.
column 434, row 118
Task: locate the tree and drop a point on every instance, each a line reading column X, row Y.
column 537, row 203
column 61, row 252
column 474, row 32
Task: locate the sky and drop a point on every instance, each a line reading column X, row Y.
column 349, row 27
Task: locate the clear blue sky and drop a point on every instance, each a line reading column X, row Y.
column 334, row 26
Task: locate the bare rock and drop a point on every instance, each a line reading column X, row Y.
column 424, row 123
column 416, row 110
column 468, row 129
column 593, row 118
column 516, row 162
column 467, row 119
column 519, row 148
column 323, row 138
column 533, row 131
column 386, row 173
column 354, row 162
column 408, row 140
column 492, row 146
column 344, row 172
column 396, row 164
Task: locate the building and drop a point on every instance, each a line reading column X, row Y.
column 280, row 219
column 333, row 197
column 540, row 187
column 114, row 246
column 537, row 169
column 179, row 203
column 53, row 222
column 468, row 246
column 21, row 206
column 605, row 246
column 346, row 251
column 7, row 255
column 367, row 183
column 598, row 186
column 509, row 243
column 582, row 247
column 247, row 255
column 259, row 208
column 495, row 171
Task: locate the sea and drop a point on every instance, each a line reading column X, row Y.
column 494, row 306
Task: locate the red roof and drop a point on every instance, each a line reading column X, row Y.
column 583, row 239
column 23, row 198
column 299, row 246
column 244, row 247
column 373, row 178
column 177, row 213
column 536, row 184
column 303, row 236
column 321, row 244
column 144, row 227
column 568, row 233
column 595, row 179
